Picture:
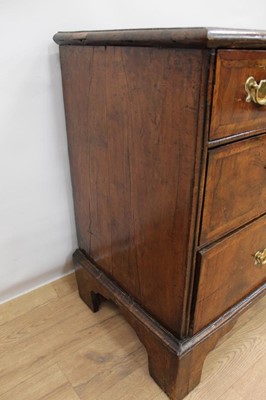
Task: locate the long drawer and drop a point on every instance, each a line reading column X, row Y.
column 230, row 270
column 235, row 187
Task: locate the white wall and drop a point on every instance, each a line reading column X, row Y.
column 37, row 229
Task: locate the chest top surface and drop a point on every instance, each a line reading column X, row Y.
column 168, row 37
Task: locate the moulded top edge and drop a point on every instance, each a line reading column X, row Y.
column 167, row 37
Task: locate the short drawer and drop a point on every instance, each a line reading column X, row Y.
column 235, row 190
column 229, row 271
column 231, row 114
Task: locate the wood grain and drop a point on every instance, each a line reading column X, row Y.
column 13, row 309
column 95, row 367
column 135, row 166
column 40, row 385
column 174, row 364
column 137, row 123
column 231, row 114
column 127, row 388
column 38, row 339
column 235, row 187
column 226, row 365
column 167, row 37
column 65, row 285
column 228, row 272
column 253, row 378
column 233, row 371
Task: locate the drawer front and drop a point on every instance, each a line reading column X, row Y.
column 231, row 114
column 235, row 187
column 228, row 272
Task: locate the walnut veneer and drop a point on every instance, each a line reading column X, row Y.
column 168, row 169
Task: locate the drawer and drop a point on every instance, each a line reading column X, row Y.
column 235, row 190
column 231, row 114
column 227, row 272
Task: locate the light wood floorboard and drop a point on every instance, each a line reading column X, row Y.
column 52, row 347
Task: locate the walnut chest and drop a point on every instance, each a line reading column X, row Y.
column 167, row 145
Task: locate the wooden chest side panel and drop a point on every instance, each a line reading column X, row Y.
column 132, row 123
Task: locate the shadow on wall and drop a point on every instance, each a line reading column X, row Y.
column 60, row 128
column 37, row 281
column 57, row 120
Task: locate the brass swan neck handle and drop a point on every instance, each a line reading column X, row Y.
column 256, row 91
column 260, row 257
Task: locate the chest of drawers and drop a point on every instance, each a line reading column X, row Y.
column 167, row 147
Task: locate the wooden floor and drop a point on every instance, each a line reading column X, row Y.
column 52, row 347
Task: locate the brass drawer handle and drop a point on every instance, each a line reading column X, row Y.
column 260, row 257
column 256, row 91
